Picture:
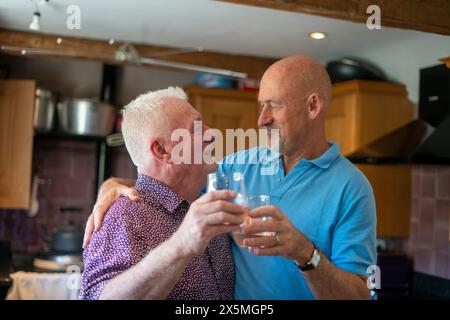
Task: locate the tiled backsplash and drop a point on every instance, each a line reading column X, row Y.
column 67, row 173
column 121, row 164
column 429, row 243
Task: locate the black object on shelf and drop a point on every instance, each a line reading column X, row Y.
column 108, row 88
column 434, row 109
column 350, row 69
column 108, row 95
column 61, row 135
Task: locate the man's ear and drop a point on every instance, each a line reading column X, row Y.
column 315, row 105
column 159, row 152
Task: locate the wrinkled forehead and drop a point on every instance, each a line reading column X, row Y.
column 277, row 86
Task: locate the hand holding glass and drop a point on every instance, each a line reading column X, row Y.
column 253, row 202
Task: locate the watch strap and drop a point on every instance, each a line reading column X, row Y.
column 312, row 263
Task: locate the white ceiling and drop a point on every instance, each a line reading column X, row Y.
column 231, row 28
column 216, row 26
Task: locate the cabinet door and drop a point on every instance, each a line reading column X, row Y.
column 340, row 124
column 362, row 111
column 226, row 109
column 392, row 190
column 16, row 142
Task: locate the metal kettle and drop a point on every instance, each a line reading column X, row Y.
column 66, row 239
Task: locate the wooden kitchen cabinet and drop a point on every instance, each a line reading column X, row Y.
column 363, row 111
column 391, row 185
column 17, row 99
column 225, row 109
column 446, row 61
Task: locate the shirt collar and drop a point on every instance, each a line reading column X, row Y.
column 323, row 162
column 327, row 158
column 149, row 187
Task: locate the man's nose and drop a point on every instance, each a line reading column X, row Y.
column 265, row 117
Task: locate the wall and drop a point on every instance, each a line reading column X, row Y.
column 66, row 170
column 67, row 175
column 429, row 243
column 74, row 78
column 121, row 164
column 133, row 81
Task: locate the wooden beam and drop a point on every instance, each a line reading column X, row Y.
column 96, row 50
column 429, row 16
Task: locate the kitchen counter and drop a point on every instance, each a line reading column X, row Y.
column 24, row 268
column 430, row 287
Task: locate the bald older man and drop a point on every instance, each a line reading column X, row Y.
column 323, row 209
column 168, row 245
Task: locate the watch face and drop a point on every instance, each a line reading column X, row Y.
column 316, row 258
column 313, row 263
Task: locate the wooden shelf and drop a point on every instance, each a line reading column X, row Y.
column 363, row 111
column 446, row 61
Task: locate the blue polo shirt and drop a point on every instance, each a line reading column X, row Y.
column 327, row 198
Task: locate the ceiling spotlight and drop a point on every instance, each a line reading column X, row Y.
column 35, row 25
column 317, row 35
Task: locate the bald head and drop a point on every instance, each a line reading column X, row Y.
column 294, row 95
column 300, row 74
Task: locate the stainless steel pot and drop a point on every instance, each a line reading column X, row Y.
column 86, row 117
column 44, row 112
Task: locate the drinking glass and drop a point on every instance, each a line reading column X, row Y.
column 217, row 181
column 253, row 202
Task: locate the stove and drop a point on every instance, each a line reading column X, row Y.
column 58, row 262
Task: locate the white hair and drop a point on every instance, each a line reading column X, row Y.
column 145, row 117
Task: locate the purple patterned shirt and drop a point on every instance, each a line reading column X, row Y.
column 131, row 229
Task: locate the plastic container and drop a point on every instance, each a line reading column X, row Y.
column 207, row 80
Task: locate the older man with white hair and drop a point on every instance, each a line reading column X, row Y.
column 167, row 245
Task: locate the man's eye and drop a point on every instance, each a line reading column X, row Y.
column 270, row 106
column 275, row 106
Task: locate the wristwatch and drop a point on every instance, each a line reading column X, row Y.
column 312, row 263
